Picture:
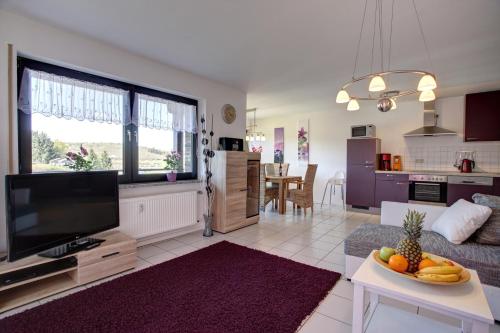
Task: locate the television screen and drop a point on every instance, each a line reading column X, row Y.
column 47, row 210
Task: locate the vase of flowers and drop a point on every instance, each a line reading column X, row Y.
column 172, row 165
column 80, row 161
column 208, row 155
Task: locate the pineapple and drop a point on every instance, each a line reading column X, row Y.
column 409, row 247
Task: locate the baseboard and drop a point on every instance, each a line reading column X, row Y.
column 170, row 234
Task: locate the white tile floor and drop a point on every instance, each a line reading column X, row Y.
column 316, row 240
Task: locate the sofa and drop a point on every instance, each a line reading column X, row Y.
column 485, row 259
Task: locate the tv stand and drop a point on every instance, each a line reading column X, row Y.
column 34, row 280
column 78, row 245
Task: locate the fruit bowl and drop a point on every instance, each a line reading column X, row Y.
column 463, row 277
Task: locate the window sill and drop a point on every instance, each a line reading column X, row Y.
column 161, row 183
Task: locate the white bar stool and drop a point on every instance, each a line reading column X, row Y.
column 337, row 180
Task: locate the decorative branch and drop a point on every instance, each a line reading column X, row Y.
column 208, row 155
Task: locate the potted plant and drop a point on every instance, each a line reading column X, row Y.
column 172, row 165
column 80, row 161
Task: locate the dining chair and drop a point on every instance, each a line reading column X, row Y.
column 337, row 180
column 302, row 196
column 272, row 169
column 266, row 193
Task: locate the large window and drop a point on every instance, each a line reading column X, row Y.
column 70, row 120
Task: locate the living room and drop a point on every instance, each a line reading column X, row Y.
column 267, row 166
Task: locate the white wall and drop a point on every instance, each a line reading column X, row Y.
column 329, row 130
column 45, row 42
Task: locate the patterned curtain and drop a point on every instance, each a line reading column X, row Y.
column 63, row 97
column 157, row 113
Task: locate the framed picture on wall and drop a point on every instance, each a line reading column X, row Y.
column 279, row 145
column 303, row 142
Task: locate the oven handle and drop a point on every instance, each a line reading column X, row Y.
column 432, row 184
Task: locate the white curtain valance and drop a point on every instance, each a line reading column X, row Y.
column 63, row 97
column 158, row 113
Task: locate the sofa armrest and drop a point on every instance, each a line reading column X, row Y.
column 392, row 213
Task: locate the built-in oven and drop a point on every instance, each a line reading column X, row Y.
column 428, row 189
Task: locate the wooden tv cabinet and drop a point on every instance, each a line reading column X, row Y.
column 116, row 254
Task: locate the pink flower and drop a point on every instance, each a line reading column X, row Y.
column 83, row 151
column 72, row 156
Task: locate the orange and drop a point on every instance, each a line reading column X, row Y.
column 426, row 263
column 398, row 263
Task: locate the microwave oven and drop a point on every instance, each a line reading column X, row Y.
column 363, row 131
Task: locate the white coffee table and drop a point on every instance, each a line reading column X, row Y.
column 465, row 302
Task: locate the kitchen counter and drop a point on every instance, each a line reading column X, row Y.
column 443, row 173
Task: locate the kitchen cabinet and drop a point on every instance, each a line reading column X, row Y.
column 363, row 151
column 496, row 186
column 482, row 116
column 361, row 165
column 360, row 187
column 465, row 187
column 391, row 187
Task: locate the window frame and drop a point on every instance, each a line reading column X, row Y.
column 130, row 147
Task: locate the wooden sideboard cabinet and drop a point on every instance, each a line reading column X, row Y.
column 236, row 180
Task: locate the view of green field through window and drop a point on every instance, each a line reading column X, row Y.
column 53, row 138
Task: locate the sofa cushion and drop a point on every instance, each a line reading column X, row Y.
column 485, row 259
column 461, row 220
column 489, row 233
column 491, row 201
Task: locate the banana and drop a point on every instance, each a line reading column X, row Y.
column 439, row 277
column 441, row 270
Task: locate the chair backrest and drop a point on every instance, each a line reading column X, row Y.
column 339, row 178
column 269, row 167
column 309, row 177
column 273, row 169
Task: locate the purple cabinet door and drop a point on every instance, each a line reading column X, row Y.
column 401, row 190
column 362, row 151
column 496, row 186
column 384, row 191
column 360, row 189
column 482, row 116
column 391, row 187
column 459, row 191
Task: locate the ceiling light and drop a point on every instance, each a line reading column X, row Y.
column 427, row 82
column 342, row 97
column 426, row 96
column 394, row 105
column 377, row 84
column 353, row 105
column 247, row 138
column 390, row 84
column 263, row 137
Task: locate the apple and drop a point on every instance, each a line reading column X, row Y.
column 386, row 253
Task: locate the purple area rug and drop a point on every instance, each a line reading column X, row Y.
column 221, row 288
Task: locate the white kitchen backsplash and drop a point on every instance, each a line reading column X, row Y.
column 442, row 158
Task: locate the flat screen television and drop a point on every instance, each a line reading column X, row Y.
column 51, row 209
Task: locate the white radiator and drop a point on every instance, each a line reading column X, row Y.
column 150, row 215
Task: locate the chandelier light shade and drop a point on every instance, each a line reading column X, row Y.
column 342, row 97
column 377, row 84
column 427, row 82
column 251, row 133
column 353, row 105
column 386, row 85
column 427, row 96
column 394, row 105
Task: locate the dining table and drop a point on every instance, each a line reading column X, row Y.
column 283, row 182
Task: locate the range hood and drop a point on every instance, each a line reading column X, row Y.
column 430, row 120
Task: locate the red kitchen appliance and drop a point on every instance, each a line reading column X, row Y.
column 385, row 162
column 467, row 165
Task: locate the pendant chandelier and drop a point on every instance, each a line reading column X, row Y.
column 252, row 134
column 379, row 88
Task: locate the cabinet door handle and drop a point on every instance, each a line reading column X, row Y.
column 244, row 189
column 110, row 254
column 400, row 183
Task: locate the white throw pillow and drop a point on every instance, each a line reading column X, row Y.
column 461, row 220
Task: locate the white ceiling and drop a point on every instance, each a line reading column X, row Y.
column 287, row 51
